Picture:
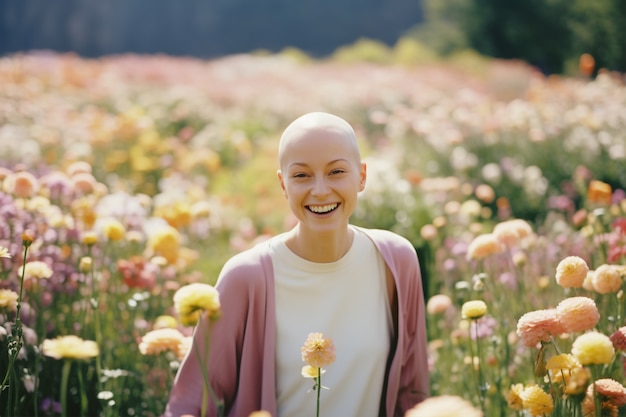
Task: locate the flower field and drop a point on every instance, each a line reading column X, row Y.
column 126, row 179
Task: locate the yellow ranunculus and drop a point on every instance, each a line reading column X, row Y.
column 474, row 309
column 593, row 348
column 193, row 299
column 70, row 347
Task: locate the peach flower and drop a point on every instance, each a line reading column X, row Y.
column 438, row 304
column 483, row 246
column 606, row 279
column 444, row 406
column 610, row 390
column 511, row 232
column 318, row 351
column 22, row 184
column 571, row 272
column 537, row 326
column 578, row 314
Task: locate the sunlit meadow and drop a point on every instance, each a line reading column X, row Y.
column 125, row 179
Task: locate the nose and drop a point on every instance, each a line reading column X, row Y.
column 320, row 186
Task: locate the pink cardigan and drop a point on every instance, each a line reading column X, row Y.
column 242, row 346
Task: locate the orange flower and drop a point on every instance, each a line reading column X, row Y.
column 578, row 314
column 599, row 192
column 571, row 272
column 318, row 351
column 483, row 246
column 606, row 279
column 593, row 348
column 537, row 326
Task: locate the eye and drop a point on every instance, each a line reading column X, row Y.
column 298, row 175
column 337, row 171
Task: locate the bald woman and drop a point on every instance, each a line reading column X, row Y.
column 359, row 287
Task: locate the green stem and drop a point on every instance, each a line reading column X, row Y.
column 319, row 390
column 65, row 376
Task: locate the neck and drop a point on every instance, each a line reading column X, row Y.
column 319, row 247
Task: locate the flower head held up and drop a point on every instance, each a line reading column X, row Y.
column 70, row 347
column 571, row 272
column 474, row 309
column 191, row 300
column 318, row 351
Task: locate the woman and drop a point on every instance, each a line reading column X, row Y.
column 359, row 287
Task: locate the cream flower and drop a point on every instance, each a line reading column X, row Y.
column 511, row 232
column 571, row 272
column 4, row 252
column 438, row 304
column 474, row 309
column 444, row 406
column 309, row 371
column 37, row 270
column 161, row 340
column 8, row 300
column 191, row 300
column 70, row 347
column 606, row 279
column 593, row 348
column 318, row 351
column 578, row 314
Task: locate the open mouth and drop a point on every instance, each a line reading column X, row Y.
column 326, row 208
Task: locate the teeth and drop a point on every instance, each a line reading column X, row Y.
column 323, row 209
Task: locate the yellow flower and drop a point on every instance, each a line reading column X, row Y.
column 161, row 340
column 536, row 401
column 444, row 406
column 113, row 229
column 191, row 300
column 571, row 272
column 514, row 397
column 561, row 367
column 165, row 322
column 318, row 351
column 8, row 300
column 90, row 238
column 37, row 270
column 165, row 242
column 70, row 347
column 4, row 252
column 85, row 264
column 593, row 348
column 474, row 309
column 309, row 371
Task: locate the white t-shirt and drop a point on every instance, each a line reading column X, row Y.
column 347, row 301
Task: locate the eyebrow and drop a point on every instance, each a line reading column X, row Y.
column 330, row 163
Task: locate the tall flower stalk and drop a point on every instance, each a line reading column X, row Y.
column 317, row 352
column 190, row 302
column 15, row 340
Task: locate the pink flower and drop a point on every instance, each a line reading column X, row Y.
column 537, row 326
column 318, row 351
column 571, row 272
column 438, row 304
column 618, row 338
column 606, row 279
column 578, row 314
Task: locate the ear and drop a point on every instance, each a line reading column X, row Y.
column 363, row 175
column 279, row 174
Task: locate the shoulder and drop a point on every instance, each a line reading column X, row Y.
column 247, row 268
column 388, row 240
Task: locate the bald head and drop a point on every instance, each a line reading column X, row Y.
column 312, row 125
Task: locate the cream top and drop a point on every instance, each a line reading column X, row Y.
column 347, row 301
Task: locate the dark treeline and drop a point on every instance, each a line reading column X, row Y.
column 550, row 34
column 202, row 28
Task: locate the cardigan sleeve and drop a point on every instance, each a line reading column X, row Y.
column 231, row 339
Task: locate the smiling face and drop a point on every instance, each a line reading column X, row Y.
column 321, row 172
